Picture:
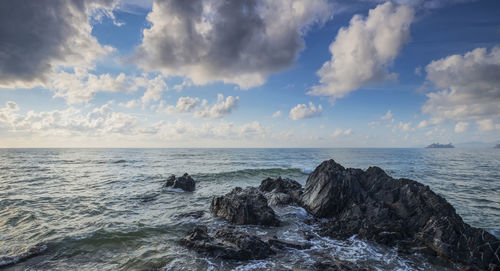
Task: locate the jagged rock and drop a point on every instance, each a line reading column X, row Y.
column 396, row 212
column 244, row 206
column 227, row 243
column 281, row 191
column 185, row 182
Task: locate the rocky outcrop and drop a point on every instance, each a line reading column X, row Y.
column 227, row 243
column 185, row 182
column 244, row 206
column 281, row 191
column 396, row 212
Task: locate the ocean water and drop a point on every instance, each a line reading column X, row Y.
column 105, row 209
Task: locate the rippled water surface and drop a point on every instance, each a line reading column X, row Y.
column 104, row 209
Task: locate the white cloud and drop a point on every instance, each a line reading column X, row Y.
column 220, row 109
column 40, row 36
column 301, row 111
column 402, row 126
column 486, row 125
column 70, row 121
column 461, row 127
column 154, row 88
column 422, row 124
column 181, row 86
column 374, row 124
column 238, row 41
column 186, row 104
column 277, row 114
column 339, row 132
column 362, row 52
column 387, row 116
column 129, row 104
column 82, row 86
column 469, row 86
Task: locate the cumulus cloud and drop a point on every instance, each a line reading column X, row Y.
column 218, row 110
column 239, row 41
column 468, row 86
column 82, row 86
column 154, row 88
column 186, row 104
column 129, row 104
column 277, row 114
column 70, row 121
column 486, row 125
column 387, row 116
column 302, row 111
column 39, row 36
column 362, row 52
column 461, row 127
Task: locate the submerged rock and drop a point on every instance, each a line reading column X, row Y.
column 397, row 212
column 244, row 206
column 227, row 243
column 281, row 191
column 185, row 182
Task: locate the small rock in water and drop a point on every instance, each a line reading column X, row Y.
column 244, row 206
column 281, row 191
column 227, row 243
column 185, row 182
column 395, row 212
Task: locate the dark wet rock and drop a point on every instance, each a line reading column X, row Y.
column 193, row 214
column 185, row 182
column 395, row 212
column 281, row 191
column 244, row 206
column 227, row 243
column 280, row 244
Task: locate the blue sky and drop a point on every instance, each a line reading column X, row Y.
column 258, row 73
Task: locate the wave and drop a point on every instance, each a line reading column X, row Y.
column 258, row 172
column 121, row 161
column 14, row 259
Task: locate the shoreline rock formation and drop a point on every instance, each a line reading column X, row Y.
column 244, row 206
column 185, row 182
column 281, row 191
column 395, row 212
column 370, row 204
column 227, row 243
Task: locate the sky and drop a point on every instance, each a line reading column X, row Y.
column 248, row 73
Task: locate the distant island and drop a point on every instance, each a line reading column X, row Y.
column 497, row 146
column 440, row 146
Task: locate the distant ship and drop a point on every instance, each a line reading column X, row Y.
column 497, row 146
column 440, row 146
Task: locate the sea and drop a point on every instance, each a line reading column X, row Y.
column 105, row 209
